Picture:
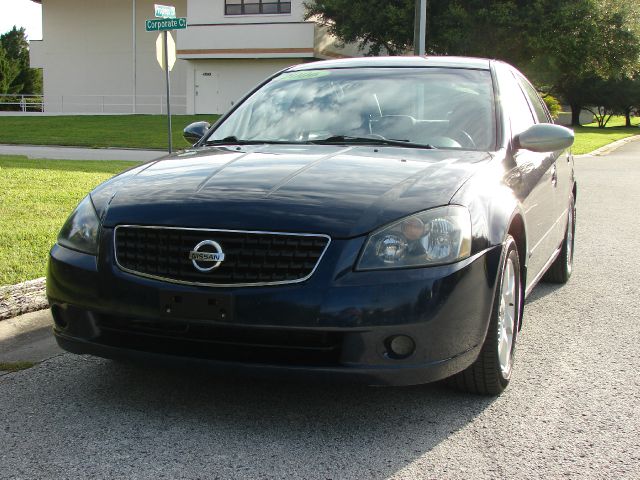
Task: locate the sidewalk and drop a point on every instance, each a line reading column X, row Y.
column 78, row 153
column 27, row 338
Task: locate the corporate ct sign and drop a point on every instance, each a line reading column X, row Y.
column 165, row 24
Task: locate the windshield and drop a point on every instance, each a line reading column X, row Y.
column 432, row 107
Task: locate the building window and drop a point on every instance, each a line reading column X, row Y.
column 256, row 7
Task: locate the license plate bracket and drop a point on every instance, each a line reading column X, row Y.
column 215, row 306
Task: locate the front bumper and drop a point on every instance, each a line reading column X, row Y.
column 335, row 325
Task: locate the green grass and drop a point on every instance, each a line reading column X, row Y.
column 129, row 131
column 590, row 137
column 36, row 197
column 15, row 366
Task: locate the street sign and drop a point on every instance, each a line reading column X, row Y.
column 164, row 24
column 166, row 48
column 171, row 51
column 165, row 11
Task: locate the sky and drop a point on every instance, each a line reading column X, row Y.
column 22, row 13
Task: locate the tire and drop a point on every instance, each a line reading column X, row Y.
column 561, row 268
column 491, row 372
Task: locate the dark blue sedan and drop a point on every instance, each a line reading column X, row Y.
column 379, row 220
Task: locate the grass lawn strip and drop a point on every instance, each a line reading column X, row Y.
column 36, row 197
column 15, row 366
column 590, row 137
column 127, row 131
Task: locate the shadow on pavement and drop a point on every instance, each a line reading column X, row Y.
column 267, row 429
column 542, row 290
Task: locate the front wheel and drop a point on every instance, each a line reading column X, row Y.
column 491, row 372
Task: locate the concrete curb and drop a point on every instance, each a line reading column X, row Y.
column 610, row 147
column 22, row 298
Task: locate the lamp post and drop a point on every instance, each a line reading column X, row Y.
column 420, row 30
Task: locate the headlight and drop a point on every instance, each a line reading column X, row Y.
column 82, row 229
column 433, row 237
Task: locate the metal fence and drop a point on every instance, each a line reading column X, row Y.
column 109, row 104
column 22, row 103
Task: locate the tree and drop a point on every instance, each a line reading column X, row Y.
column 377, row 25
column 598, row 100
column 624, row 96
column 480, row 28
column 587, row 42
column 456, row 27
column 16, row 48
column 9, row 71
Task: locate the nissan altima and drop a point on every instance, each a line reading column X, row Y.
column 378, row 220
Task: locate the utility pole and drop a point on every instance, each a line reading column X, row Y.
column 420, row 29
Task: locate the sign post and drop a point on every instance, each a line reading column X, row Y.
column 165, row 34
column 165, row 22
column 420, row 30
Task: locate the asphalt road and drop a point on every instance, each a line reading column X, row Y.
column 79, row 153
column 571, row 411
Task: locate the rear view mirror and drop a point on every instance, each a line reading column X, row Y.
column 195, row 131
column 545, row 137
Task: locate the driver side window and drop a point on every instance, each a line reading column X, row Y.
column 538, row 105
column 514, row 101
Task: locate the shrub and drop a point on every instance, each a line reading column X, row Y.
column 552, row 104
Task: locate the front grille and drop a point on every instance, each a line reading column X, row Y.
column 219, row 342
column 251, row 258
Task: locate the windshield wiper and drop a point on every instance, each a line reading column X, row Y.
column 346, row 139
column 232, row 140
column 336, row 139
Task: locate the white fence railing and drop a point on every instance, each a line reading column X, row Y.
column 115, row 104
column 22, row 103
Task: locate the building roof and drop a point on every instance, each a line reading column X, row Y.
column 429, row 61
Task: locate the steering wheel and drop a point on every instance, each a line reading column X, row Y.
column 467, row 139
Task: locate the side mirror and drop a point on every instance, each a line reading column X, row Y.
column 195, row 131
column 545, row 137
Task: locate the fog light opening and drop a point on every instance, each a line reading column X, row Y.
column 400, row 346
column 58, row 317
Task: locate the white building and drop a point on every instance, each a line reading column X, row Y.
column 97, row 57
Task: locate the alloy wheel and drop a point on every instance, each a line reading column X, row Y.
column 507, row 317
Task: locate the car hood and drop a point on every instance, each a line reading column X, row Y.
column 342, row 191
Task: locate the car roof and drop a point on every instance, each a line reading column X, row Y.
column 372, row 62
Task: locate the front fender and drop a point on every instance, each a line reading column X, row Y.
column 494, row 207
